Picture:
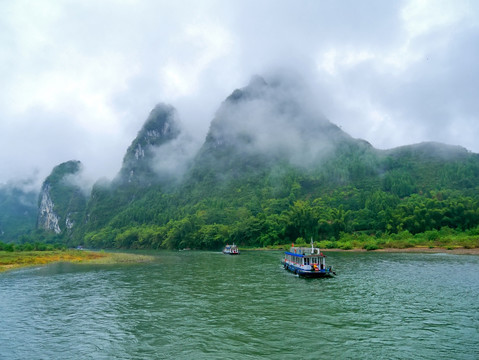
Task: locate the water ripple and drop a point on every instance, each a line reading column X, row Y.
column 200, row 305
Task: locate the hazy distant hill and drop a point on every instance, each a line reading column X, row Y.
column 272, row 169
column 18, row 211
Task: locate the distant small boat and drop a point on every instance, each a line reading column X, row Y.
column 231, row 250
column 307, row 262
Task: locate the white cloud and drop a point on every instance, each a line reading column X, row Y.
column 194, row 51
column 406, row 90
column 423, row 16
column 79, row 78
column 337, row 60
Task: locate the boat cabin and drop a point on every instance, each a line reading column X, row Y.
column 307, row 262
column 231, row 250
column 306, row 258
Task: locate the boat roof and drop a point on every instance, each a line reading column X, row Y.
column 304, row 251
column 294, row 254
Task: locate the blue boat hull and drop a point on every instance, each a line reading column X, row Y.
column 322, row 273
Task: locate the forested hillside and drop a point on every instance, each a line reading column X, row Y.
column 272, row 170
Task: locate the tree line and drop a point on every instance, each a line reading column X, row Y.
column 343, row 215
column 35, row 246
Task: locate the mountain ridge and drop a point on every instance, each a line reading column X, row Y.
column 266, row 154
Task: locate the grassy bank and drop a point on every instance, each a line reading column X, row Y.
column 430, row 241
column 417, row 249
column 444, row 239
column 12, row 260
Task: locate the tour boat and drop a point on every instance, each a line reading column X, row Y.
column 307, row 262
column 231, row 250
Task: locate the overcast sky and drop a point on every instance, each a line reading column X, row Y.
column 78, row 78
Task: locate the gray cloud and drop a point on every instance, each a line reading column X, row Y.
column 79, row 78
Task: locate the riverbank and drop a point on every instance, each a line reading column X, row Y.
column 417, row 249
column 14, row 260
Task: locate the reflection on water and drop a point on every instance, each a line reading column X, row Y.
column 206, row 305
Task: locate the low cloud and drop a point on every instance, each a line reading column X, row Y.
column 276, row 117
column 172, row 160
column 80, row 180
column 78, row 79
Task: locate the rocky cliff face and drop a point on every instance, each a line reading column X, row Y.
column 61, row 202
column 47, row 218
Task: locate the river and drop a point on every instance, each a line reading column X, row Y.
column 206, row 305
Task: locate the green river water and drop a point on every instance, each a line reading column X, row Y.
column 206, row 305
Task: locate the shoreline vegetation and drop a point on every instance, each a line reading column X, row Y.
column 14, row 260
column 17, row 256
column 416, row 249
column 443, row 241
column 429, row 242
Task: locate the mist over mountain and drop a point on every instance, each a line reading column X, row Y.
column 432, row 151
column 273, row 119
column 160, row 128
column 271, row 169
column 263, row 130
